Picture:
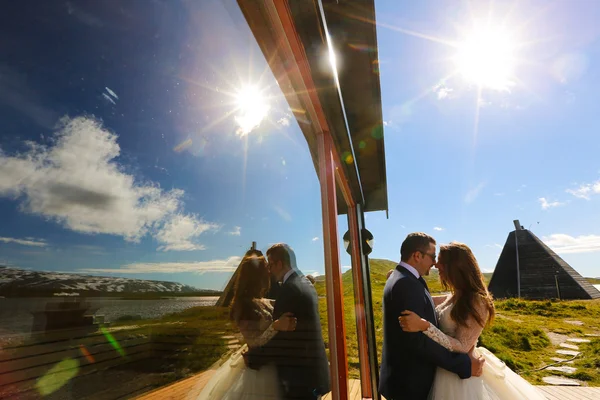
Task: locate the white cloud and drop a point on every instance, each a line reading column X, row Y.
column 386, row 123
column 113, row 94
column 549, row 204
column 585, row 191
column 494, row 245
column 227, row 265
column 566, row 244
column 179, row 231
column 107, row 97
column 315, row 238
column 77, row 183
column 25, row 242
column 474, row 193
column 346, row 267
column 237, row 231
column 284, row 121
column 314, row 274
column 444, row 92
column 438, row 228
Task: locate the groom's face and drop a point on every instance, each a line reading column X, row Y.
column 275, row 267
column 427, row 260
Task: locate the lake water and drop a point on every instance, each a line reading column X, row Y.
column 16, row 318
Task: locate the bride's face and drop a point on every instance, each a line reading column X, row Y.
column 442, row 270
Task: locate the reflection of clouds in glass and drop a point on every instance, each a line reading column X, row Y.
column 113, row 94
column 227, row 265
column 25, row 242
column 236, row 231
column 108, row 98
column 77, row 183
column 178, row 232
column 284, row 121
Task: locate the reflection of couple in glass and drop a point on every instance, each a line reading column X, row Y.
column 285, row 354
column 429, row 342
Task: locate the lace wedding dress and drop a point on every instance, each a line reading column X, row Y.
column 233, row 380
column 498, row 382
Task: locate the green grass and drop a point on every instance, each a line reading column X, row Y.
column 518, row 336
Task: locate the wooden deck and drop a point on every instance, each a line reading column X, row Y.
column 190, row 388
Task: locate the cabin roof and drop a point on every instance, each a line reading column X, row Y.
column 294, row 37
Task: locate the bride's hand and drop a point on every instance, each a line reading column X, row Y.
column 411, row 322
column 287, row 322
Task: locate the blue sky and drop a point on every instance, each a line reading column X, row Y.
column 126, row 148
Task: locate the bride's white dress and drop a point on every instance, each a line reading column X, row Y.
column 498, row 382
column 233, row 380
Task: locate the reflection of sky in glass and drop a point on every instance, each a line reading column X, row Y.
column 134, row 139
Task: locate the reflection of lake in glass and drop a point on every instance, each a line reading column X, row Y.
column 16, row 317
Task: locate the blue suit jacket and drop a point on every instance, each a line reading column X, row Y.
column 409, row 360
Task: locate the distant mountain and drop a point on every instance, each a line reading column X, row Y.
column 22, row 282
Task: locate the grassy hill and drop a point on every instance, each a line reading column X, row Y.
column 519, row 335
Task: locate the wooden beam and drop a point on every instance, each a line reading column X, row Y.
column 359, row 303
column 333, row 273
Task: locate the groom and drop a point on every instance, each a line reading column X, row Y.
column 409, row 360
column 299, row 355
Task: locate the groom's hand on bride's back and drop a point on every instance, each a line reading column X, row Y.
column 286, row 323
column 476, row 364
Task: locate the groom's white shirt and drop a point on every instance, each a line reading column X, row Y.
column 287, row 275
column 411, row 269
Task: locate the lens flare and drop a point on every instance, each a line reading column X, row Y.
column 113, row 342
column 253, row 108
column 57, row 376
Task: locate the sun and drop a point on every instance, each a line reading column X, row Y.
column 252, row 106
column 486, row 58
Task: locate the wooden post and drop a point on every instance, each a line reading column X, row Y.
column 333, row 273
column 359, row 304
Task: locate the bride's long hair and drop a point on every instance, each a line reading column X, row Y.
column 252, row 282
column 464, row 278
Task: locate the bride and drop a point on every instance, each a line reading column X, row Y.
column 462, row 316
column 253, row 316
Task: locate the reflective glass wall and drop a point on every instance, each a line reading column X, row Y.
column 144, row 147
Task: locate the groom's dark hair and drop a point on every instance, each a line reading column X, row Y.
column 416, row 241
column 280, row 252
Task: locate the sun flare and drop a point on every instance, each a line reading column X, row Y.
column 486, row 58
column 253, row 107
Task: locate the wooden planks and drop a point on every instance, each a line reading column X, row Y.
column 186, row 389
column 570, row 393
column 190, row 388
